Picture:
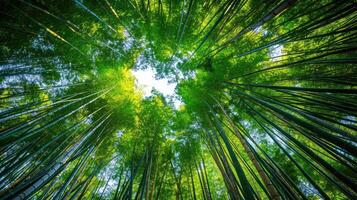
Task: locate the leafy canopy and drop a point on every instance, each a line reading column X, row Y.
column 264, row 107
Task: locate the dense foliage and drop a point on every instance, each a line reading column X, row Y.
column 269, row 92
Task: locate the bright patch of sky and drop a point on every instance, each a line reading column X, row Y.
column 154, row 75
column 308, row 189
column 260, row 29
column 349, row 120
column 146, row 82
column 128, row 42
column 120, row 133
column 39, row 43
column 275, row 51
column 21, row 73
column 257, row 136
column 105, row 189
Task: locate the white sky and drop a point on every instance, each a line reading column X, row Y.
column 276, row 51
column 145, row 81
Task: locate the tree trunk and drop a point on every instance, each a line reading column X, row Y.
column 273, row 193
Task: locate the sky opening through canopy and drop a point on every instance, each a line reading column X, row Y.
column 147, row 83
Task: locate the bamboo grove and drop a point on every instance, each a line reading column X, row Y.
column 268, row 91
